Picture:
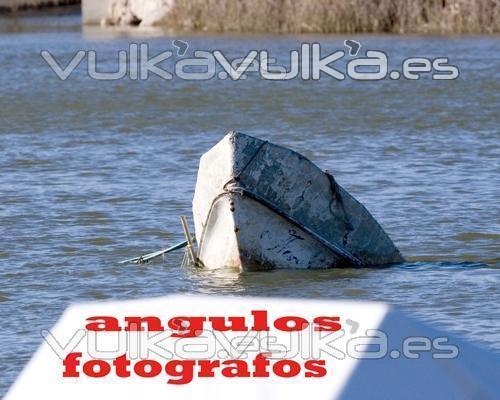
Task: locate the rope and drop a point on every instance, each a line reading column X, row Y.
column 338, row 250
column 335, row 248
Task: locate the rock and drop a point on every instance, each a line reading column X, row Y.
column 150, row 12
column 120, row 14
column 138, row 12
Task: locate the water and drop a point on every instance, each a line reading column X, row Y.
column 94, row 172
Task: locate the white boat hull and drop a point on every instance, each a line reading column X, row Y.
column 261, row 206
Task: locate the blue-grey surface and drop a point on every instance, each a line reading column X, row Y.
column 94, row 172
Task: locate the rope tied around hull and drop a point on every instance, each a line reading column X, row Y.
column 335, row 248
column 236, row 186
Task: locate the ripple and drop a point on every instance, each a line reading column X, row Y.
column 99, row 241
column 467, row 236
column 96, row 294
column 4, row 297
column 355, row 293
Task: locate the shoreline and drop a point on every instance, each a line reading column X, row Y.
column 98, row 31
column 178, row 21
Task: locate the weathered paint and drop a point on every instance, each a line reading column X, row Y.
column 237, row 231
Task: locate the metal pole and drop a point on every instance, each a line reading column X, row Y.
column 185, row 228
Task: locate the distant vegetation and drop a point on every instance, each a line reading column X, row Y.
column 337, row 16
column 321, row 16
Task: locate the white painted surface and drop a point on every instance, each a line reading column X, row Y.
column 474, row 374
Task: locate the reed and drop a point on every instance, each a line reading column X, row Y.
column 337, row 16
column 321, row 16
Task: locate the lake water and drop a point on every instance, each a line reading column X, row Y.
column 93, row 172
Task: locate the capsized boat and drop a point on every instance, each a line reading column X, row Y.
column 260, row 206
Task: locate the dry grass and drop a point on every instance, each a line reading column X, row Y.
column 337, row 16
column 323, row 16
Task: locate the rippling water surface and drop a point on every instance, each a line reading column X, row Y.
column 94, row 172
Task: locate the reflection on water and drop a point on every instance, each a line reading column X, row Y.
column 95, row 172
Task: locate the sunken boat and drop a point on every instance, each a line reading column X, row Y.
column 261, row 206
